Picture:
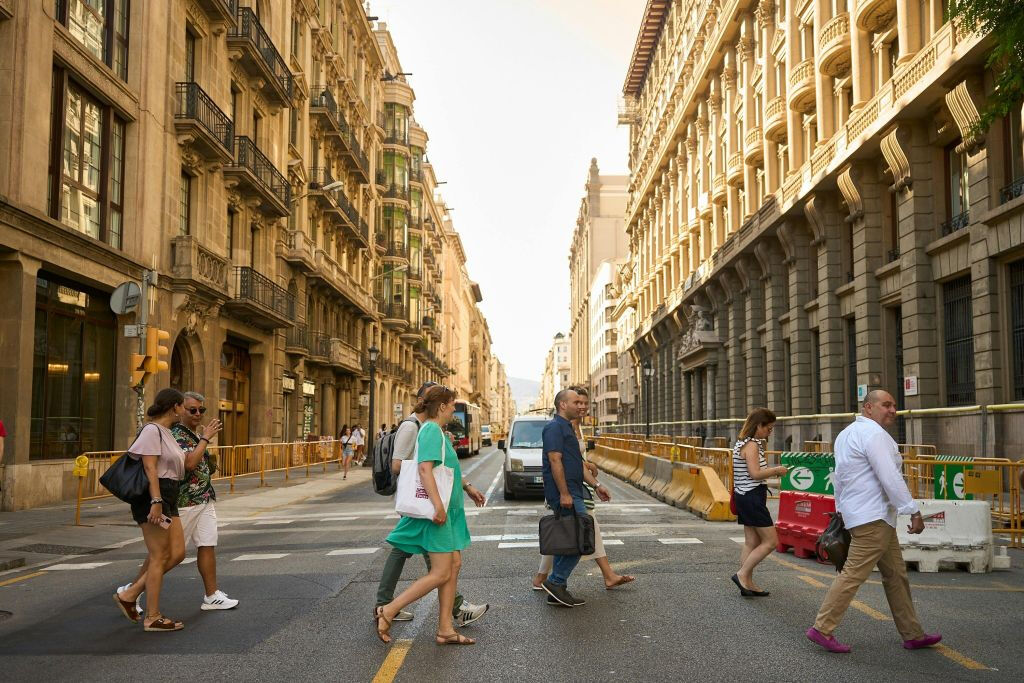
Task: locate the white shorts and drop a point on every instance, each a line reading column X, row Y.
column 199, row 522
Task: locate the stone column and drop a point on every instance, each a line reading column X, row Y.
column 825, row 218
column 752, row 288
column 867, row 257
column 775, row 303
column 801, row 266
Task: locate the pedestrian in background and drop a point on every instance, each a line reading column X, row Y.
column 445, row 536
column 359, row 440
column 611, row 578
column 3, row 437
column 196, row 501
column 750, row 493
column 404, row 448
column 347, row 449
column 563, row 486
column 165, row 466
column 870, row 491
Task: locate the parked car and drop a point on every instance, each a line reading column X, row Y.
column 485, row 435
column 523, row 450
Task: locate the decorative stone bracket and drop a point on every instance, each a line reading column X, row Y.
column 894, row 145
column 962, row 102
column 847, row 181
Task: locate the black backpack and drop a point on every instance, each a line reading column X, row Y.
column 384, row 480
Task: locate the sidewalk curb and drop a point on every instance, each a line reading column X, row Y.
column 11, row 562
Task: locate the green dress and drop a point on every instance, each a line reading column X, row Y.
column 419, row 536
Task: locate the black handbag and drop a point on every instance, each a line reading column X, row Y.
column 126, row 478
column 566, row 533
column 834, row 543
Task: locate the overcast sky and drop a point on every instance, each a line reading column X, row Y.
column 517, row 96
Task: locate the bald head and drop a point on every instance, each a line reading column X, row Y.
column 880, row 406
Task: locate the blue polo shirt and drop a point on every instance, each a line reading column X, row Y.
column 559, row 437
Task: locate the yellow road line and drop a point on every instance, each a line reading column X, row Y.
column 393, row 662
column 960, row 658
column 8, row 582
column 915, row 586
column 856, row 604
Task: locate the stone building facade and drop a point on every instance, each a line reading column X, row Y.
column 811, row 217
column 247, row 152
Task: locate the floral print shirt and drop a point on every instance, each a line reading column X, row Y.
column 196, row 487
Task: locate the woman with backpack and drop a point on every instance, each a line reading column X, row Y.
column 347, row 449
column 165, row 464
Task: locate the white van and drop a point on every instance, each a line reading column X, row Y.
column 523, row 450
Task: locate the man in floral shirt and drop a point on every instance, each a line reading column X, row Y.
column 196, row 498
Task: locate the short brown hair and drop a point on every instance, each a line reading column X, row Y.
column 581, row 390
column 757, row 418
column 432, row 399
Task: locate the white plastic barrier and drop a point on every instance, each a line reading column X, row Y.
column 955, row 531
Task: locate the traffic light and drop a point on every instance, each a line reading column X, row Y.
column 139, row 374
column 156, row 353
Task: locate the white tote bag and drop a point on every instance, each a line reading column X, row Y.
column 411, row 499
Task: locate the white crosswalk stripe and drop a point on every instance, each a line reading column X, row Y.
column 738, row 539
column 71, row 567
column 260, row 556
column 274, row 521
column 679, row 541
column 525, row 544
column 353, row 551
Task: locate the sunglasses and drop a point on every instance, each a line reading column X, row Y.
column 195, row 411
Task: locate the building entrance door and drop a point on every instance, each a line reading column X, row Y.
column 235, row 366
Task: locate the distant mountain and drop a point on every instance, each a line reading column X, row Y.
column 524, row 391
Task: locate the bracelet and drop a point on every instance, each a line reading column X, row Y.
column 156, row 501
column 203, row 438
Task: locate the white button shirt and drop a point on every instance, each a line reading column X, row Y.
column 869, row 481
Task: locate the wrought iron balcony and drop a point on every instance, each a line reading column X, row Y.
column 957, row 222
column 397, row 191
column 381, row 177
column 354, row 156
column 319, row 178
column 397, row 250
column 200, row 122
column 892, row 255
column 319, row 348
column 260, row 58
column 395, row 314
column 323, row 105
column 257, row 175
column 194, row 267
column 1011, row 191
column 416, row 175
column 296, row 341
column 380, row 241
column 219, row 10
column 255, row 299
column 415, row 271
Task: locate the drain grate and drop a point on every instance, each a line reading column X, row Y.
column 50, row 549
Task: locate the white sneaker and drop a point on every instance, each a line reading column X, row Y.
column 138, row 601
column 468, row 613
column 218, row 601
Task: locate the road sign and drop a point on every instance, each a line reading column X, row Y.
column 950, row 480
column 125, row 298
column 809, row 472
column 801, row 478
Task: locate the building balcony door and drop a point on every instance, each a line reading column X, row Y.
column 235, row 367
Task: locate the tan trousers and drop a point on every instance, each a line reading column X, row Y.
column 872, row 543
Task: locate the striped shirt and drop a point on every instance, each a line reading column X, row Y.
column 741, row 480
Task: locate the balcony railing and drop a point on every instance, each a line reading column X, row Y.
column 249, row 33
column 396, row 191
column 415, row 270
column 381, row 177
column 893, row 255
column 1011, row 191
column 398, row 249
column 321, row 100
column 957, row 222
column 193, row 104
column 380, row 239
column 319, row 178
column 394, row 310
column 249, row 156
column 297, row 340
column 196, row 265
column 255, row 290
column 319, row 346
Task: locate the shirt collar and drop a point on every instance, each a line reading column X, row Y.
column 562, row 419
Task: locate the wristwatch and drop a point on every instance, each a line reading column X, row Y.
column 915, row 514
column 156, row 501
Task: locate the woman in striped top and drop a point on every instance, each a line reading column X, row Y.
column 750, row 493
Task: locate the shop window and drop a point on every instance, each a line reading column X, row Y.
column 72, row 371
column 101, row 27
column 86, row 163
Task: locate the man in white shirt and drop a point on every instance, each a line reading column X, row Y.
column 359, row 441
column 404, row 448
column 870, row 492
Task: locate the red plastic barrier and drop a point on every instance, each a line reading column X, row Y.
column 802, row 518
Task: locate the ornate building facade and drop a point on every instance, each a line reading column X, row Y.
column 812, row 216
column 261, row 158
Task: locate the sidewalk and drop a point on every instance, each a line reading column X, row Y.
column 30, row 538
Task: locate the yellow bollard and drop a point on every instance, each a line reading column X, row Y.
column 80, row 470
column 287, row 461
column 263, row 479
column 306, row 448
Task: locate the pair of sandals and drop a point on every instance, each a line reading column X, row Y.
column 157, row 625
column 441, row 639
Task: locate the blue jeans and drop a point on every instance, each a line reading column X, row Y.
column 563, row 565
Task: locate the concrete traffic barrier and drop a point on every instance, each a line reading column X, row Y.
column 680, row 489
column 957, row 532
column 802, row 518
column 710, row 498
column 649, row 473
column 662, row 478
column 638, row 468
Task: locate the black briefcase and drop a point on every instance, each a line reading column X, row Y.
column 566, row 533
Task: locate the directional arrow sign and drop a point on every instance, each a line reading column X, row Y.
column 801, row 478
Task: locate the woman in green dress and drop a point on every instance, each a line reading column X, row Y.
column 442, row 538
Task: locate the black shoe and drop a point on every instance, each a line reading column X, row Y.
column 559, row 593
column 745, row 592
column 577, row 602
column 552, row 601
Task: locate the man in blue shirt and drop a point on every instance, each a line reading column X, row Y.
column 563, row 485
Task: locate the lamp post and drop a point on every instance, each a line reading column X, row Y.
column 648, row 374
column 372, row 353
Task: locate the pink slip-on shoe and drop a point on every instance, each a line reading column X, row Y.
column 828, row 642
column 927, row 640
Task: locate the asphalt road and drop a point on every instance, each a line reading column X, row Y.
column 306, row 572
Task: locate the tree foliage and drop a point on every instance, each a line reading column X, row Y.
column 1004, row 20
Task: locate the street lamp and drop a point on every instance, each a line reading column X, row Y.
column 648, row 374
column 329, row 187
column 372, row 353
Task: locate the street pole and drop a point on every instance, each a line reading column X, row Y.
column 371, row 428
column 143, row 320
column 648, row 371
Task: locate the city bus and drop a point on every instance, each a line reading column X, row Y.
column 465, row 428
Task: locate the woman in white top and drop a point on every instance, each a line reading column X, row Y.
column 165, row 466
column 750, row 494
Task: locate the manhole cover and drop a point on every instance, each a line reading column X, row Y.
column 49, row 549
column 5, row 615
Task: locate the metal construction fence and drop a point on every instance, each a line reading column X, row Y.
column 232, row 462
column 976, row 431
column 995, row 480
